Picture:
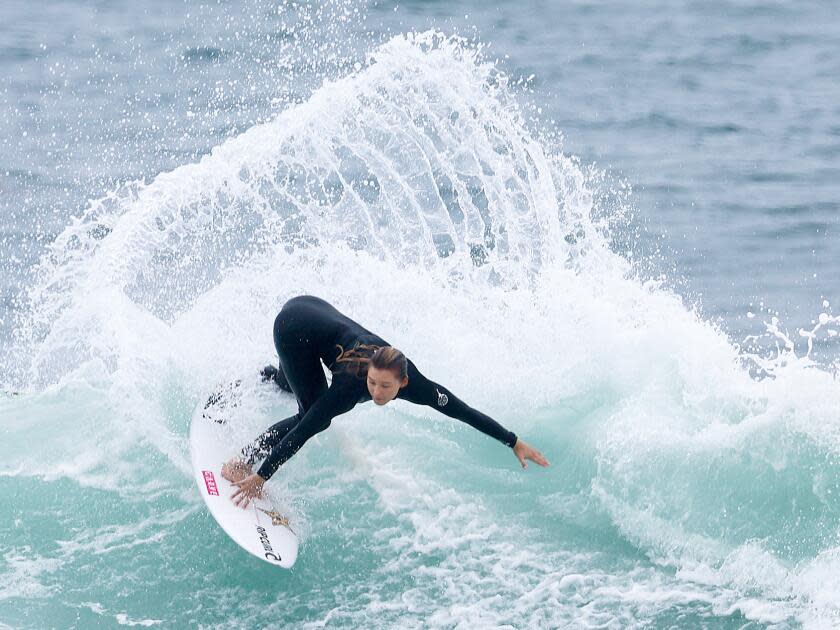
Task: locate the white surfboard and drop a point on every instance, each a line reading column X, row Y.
column 263, row 528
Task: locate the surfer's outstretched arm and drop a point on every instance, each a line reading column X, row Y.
column 423, row 391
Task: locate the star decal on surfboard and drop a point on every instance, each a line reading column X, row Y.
column 277, row 518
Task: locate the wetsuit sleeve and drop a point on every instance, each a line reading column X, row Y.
column 335, row 401
column 422, row 391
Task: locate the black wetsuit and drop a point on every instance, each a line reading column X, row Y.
column 309, row 330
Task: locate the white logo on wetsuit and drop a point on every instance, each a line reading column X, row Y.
column 442, row 398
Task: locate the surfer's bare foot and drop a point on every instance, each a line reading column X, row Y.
column 235, row 470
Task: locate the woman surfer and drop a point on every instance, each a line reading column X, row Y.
column 308, row 331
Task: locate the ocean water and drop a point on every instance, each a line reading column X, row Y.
column 614, row 228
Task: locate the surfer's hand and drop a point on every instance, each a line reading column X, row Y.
column 248, row 488
column 235, row 470
column 523, row 452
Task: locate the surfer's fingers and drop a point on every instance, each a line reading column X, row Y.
column 538, row 457
column 241, row 500
column 237, row 496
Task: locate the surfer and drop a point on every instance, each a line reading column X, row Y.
column 364, row 367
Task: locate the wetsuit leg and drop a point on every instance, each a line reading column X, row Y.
column 300, row 363
column 301, row 372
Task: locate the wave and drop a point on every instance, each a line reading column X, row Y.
column 415, row 196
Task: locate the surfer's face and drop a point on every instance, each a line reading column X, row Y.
column 384, row 385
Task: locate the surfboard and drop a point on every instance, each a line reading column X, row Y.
column 264, row 529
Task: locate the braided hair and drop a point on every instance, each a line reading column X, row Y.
column 360, row 357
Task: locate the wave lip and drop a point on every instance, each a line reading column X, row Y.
column 420, row 158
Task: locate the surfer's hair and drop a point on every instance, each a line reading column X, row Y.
column 389, row 358
column 357, row 359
